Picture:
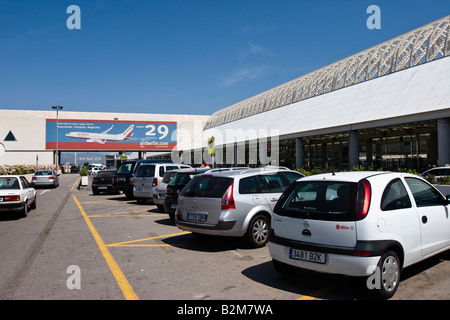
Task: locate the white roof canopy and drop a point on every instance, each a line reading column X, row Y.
column 419, row 93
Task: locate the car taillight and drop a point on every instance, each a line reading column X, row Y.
column 34, row 178
column 227, row 199
column 363, row 199
column 51, row 178
column 11, row 198
column 93, row 180
column 132, row 181
column 155, row 182
column 362, row 253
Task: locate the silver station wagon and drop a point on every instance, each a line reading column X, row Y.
column 233, row 203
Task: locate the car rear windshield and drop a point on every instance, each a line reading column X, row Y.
column 207, row 187
column 322, row 200
column 145, row 171
column 125, row 167
column 9, row 183
column 105, row 174
column 43, row 173
column 182, row 179
column 168, row 176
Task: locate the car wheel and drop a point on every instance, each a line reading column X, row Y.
column 160, row 207
column 34, row 204
column 95, row 191
column 25, row 209
column 258, row 231
column 171, row 215
column 141, row 200
column 129, row 194
column 389, row 270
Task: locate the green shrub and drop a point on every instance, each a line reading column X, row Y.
column 443, row 180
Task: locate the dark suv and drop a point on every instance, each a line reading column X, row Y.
column 126, row 171
column 181, row 179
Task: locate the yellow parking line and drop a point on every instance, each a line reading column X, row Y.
column 98, row 201
column 116, row 213
column 76, row 182
column 106, row 201
column 320, row 292
column 139, row 245
column 122, row 281
column 109, row 215
column 127, row 243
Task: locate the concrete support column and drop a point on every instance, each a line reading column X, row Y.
column 443, row 141
column 353, row 149
column 369, row 152
column 323, row 148
column 299, row 153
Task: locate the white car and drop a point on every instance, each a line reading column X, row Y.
column 147, row 178
column 366, row 224
column 439, row 172
column 93, row 171
column 16, row 194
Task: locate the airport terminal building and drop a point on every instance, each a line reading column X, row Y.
column 35, row 137
column 386, row 107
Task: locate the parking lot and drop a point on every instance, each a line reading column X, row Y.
column 77, row 245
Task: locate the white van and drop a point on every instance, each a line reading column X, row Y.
column 148, row 176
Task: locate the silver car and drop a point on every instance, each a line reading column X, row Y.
column 45, row 178
column 160, row 191
column 233, row 203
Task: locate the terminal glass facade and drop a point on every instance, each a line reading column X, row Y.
column 407, row 146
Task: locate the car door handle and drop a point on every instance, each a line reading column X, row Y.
column 273, row 200
column 424, row 219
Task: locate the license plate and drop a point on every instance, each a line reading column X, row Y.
column 120, row 179
column 173, row 206
column 310, row 256
column 102, row 187
column 196, row 217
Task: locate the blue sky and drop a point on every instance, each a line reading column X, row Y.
column 181, row 56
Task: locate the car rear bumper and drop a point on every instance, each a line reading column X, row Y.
column 124, row 188
column 335, row 263
column 43, row 183
column 158, row 198
column 143, row 194
column 222, row 228
column 13, row 206
column 360, row 260
column 103, row 187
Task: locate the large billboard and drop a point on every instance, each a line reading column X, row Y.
column 111, row 135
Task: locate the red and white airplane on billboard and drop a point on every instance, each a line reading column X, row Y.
column 103, row 136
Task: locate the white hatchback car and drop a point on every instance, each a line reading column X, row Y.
column 370, row 224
